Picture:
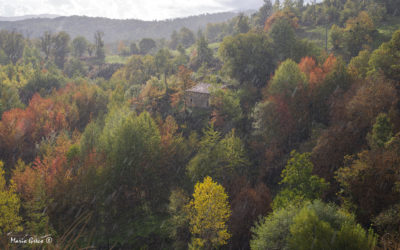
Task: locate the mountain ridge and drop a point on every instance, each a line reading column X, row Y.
column 25, row 17
column 114, row 29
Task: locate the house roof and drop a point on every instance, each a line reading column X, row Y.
column 200, row 88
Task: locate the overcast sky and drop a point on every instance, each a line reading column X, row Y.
column 123, row 9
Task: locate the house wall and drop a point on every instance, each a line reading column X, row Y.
column 199, row 100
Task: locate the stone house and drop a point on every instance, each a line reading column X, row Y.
column 198, row 96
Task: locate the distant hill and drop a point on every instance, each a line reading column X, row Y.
column 19, row 18
column 114, row 29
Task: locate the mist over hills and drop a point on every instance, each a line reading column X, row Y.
column 114, row 29
column 25, row 17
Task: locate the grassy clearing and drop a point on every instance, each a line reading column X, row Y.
column 214, row 46
column 388, row 27
column 317, row 34
column 117, row 59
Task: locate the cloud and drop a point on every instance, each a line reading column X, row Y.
column 243, row 5
column 124, row 9
column 9, row 9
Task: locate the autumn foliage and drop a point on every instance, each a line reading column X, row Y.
column 285, row 14
column 297, row 148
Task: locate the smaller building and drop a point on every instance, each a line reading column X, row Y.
column 198, row 96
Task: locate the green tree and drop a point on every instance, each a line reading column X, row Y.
column 350, row 10
column 332, row 11
column 146, row 45
column 79, row 45
column 138, row 70
column 248, row 58
column 37, row 221
column 221, row 159
column 336, row 38
column 90, row 49
column 277, row 5
column 324, row 226
column 9, row 98
column 272, row 121
column 10, row 221
column 272, row 231
column 376, row 11
column 313, row 225
column 308, row 231
column 381, row 132
column 131, row 142
column 61, row 48
column 42, row 82
column 179, row 221
column 201, row 165
column 287, row 80
column 227, row 111
column 289, row 4
column 283, row 37
column 242, row 24
column 90, row 138
column 99, row 46
column 46, row 44
column 387, row 57
column 299, row 182
column 13, row 45
column 186, row 37
column 359, row 34
column 3, row 57
column 204, row 53
column 209, row 214
column 174, row 40
column 31, row 56
column 182, row 58
column 264, row 12
column 358, row 66
column 76, row 67
column 133, row 49
column 132, row 145
column 163, row 64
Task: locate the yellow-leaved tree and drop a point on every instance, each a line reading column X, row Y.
column 10, row 221
column 209, row 212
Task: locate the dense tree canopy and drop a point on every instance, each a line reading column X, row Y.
column 312, row 225
column 10, row 221
column 248, row 58
column 12, row 43
column 284, row 125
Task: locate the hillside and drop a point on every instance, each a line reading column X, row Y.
column 20, row 18
column 114, row 29
column 278, row 129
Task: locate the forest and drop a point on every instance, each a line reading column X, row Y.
column 114, row 29
column 275, row 130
